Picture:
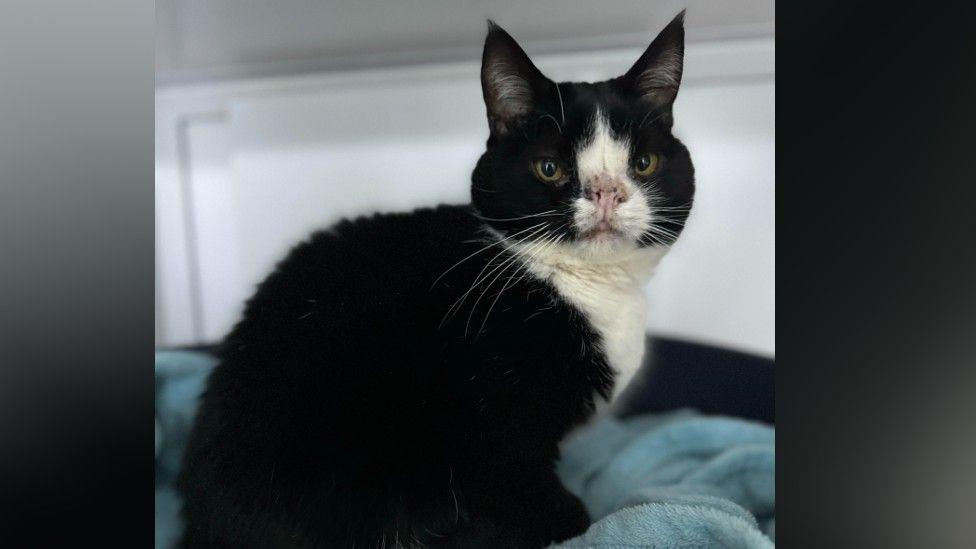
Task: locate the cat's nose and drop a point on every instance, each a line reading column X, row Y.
column 606, row 191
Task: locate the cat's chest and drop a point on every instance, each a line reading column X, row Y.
column 609, row 292
column 615, row 307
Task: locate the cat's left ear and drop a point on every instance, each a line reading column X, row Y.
column 655, row 77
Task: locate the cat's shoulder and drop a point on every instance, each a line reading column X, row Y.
column 380, row 234
column 430, row 221
column 367, row 247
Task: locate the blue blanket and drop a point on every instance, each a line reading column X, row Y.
column 673, row 480
column 667, row 480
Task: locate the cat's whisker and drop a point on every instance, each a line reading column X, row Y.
column 530, row 249
column 493, row 244
column 554, row 121
column 562, row 112
column 544, row 244
column 656, row 225
column 478, row 279
column 686, row 205
column 501, row 270
column 658, row 230
column 522, row 265
column 660, row 227
column 549, row 213
column 525, row 264
column 664, row 237
column 524, row 270
column 538, row 247
column 644, row 120
column 456, row 306
column 675, row 217
column 507, row 248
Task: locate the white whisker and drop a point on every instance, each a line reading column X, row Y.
column 501, row 270
column 497, row 242
column 524, row 266
column 561, row 111
column 478, row 279
column 549, row 213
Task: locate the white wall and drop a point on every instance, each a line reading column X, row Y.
column 246, row 168
column 206, row 39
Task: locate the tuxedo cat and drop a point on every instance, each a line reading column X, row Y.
column 405, row 379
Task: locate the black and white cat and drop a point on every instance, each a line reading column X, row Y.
column 405, row 379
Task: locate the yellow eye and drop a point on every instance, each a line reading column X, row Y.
column 646, row 164
column 548, row 170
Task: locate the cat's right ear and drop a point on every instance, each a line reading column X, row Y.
column 511, row 84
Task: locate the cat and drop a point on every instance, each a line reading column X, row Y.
column 405, row 379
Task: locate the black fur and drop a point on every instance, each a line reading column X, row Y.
column 354, row 407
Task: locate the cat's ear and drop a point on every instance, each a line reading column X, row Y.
column 655, row 77
column 511, row 84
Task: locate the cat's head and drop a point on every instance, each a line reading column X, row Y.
column 592, row 165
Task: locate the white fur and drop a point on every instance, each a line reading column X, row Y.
column 665, row 73
column 659, row 82
column 512, row 93
column 603, row 153
column 606, row 155
column 604, row 276
column 609, row 290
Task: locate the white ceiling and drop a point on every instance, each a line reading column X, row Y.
column 214, row 39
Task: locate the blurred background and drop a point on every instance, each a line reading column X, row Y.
column 273, row 119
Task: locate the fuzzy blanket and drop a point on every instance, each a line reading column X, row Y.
column 666, row 480
column 673, row 480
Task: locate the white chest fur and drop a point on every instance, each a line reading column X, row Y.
column 610, row 293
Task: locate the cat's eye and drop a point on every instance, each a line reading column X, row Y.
column 646, row 164
column 548, row 170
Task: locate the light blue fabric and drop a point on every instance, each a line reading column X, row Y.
column 668, row 480
column 180, row 379
column 673, row 480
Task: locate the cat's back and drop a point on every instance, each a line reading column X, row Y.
column 348, row 300
column 325, row 368
column 341, row 327
column 377, row 248
column 369, row 270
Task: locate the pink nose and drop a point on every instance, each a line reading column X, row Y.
column 606, row 192
column 607, row 199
